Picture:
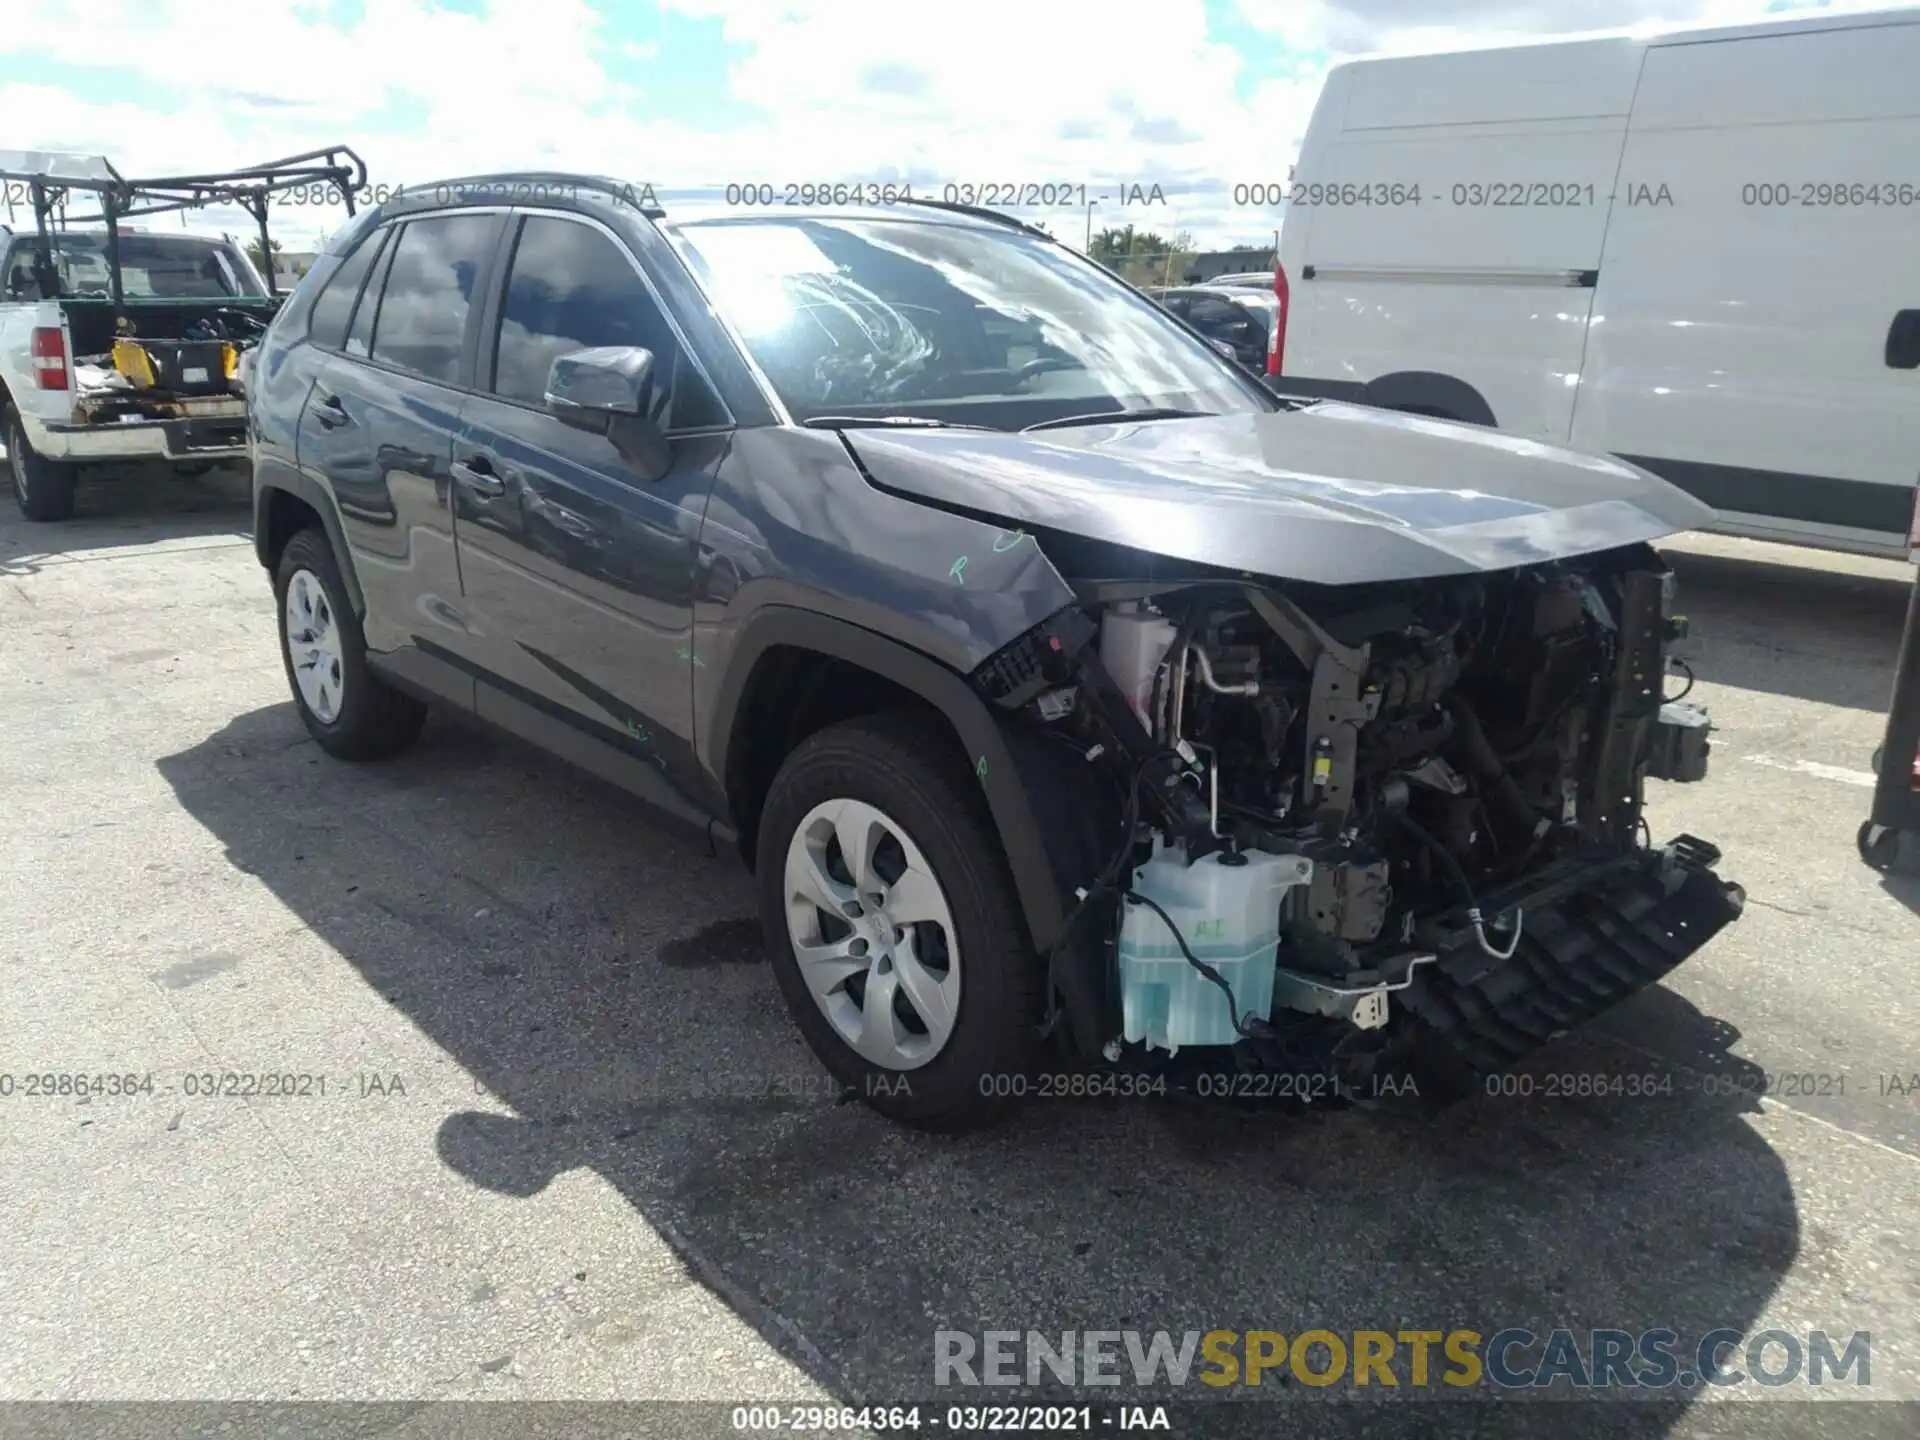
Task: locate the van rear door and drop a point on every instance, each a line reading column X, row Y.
column 1445, row 221
column 1764, row 243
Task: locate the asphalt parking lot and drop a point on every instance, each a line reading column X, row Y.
column 570, row 1146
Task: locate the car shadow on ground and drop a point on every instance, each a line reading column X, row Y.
column 1826, row 635
column 1903, row 884
column 604, row 980
column 127, row 505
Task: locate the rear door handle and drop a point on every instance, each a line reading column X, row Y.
column 476, row 474
column 1903, row 341
column 331, row 413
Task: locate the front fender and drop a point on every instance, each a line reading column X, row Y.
column 973, row 724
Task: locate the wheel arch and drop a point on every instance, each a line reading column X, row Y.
column 1426, row 392
column 284, row 505
column 755, row 673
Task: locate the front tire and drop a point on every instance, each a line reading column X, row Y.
column 43, row 488
column 892, row 922
column 351, row 712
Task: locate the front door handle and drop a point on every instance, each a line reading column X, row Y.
column 1903, row 341
column 478, row 477
column 330, row 413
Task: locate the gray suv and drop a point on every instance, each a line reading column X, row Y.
column 1069, row 693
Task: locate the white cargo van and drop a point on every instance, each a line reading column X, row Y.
column 1699, row 251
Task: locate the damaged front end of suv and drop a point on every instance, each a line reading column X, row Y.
column 1363, row 830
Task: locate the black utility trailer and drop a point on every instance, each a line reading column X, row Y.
column 1890, row 836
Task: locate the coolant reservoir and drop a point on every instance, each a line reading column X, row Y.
column 1228, row 908
column 1132, row 645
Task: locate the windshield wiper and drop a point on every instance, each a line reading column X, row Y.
column 1103, row 417
column 902, row 422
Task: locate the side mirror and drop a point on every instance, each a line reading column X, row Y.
column 1221, row 347
column 604, row 391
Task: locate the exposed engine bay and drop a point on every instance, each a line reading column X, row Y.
column 1371, row 830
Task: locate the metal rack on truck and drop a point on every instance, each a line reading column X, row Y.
column 121, row 343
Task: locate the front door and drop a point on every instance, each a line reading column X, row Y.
column 578, row 574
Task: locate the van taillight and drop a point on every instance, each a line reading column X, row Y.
column 1277, row 346
column 49, row 358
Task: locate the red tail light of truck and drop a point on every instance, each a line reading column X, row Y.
column 49, row 357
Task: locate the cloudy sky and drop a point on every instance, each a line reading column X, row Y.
column 689, row 95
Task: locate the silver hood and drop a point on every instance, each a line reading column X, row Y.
column 1330, row 494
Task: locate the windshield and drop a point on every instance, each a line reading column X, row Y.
column 960, row 323
column 154, row 267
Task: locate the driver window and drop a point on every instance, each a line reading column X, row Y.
column 571, row 287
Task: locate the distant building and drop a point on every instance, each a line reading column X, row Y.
column 1211, row 263
column 290, row 265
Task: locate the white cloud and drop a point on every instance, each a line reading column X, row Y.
column 996, row 91
column 1346, row 28
column 398, row 47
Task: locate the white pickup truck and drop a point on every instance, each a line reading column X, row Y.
column 151, row 376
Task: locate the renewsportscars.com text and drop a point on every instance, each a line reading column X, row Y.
column 1509, row 1359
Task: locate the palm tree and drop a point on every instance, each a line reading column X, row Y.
column 259, row 257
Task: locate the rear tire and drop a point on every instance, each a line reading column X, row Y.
column 968, row 979
column 351, row 712
column 42, row 488
column 1890, row 851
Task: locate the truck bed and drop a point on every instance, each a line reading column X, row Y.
column 92, row 328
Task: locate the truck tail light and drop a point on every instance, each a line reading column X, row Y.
column 1277, row 346
column 49, row 357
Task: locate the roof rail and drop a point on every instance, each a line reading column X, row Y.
column 638, row 196
column 978, row 212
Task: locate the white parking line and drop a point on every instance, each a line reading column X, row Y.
column 1865, row 778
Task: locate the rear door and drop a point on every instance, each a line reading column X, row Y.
column 1759, row 302
column 578, row 574
column 378, row 430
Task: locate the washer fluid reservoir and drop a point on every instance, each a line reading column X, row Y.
column 1228, row 908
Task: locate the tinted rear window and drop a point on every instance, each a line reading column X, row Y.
column 333, row 308
column 430, row 287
